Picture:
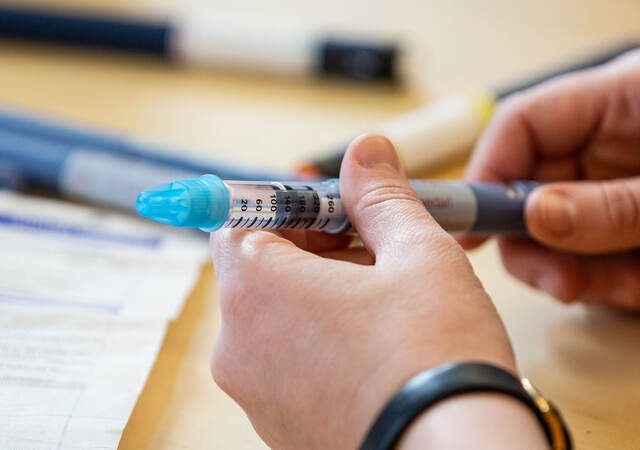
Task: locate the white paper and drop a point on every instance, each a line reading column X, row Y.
column 59, row 255
column 85, row 297
column 71, row 380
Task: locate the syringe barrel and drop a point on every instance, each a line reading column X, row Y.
column 459, row 207
column 287, row 205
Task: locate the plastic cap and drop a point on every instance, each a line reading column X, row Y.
column 201, row 203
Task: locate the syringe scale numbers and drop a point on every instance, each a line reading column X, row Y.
column 274, row 205
column 210, row 203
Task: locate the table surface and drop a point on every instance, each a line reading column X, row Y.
column 587, row 361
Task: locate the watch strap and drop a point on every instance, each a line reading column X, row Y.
column 431, row 386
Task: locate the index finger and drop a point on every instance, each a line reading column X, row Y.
column 236, row 252
column 550, row 122
column 317, row 241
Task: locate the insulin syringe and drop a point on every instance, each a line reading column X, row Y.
column 210, row 203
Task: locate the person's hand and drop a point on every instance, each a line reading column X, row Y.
column 586, row 127
column 316, row 336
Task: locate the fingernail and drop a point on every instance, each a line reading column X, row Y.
column 375, row 152
column 558, row 214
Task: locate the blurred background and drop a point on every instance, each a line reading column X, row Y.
column 454, row 46
column 275, row 122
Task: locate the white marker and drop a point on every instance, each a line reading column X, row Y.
column 222, row 41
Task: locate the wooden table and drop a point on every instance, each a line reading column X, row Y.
column 587, row 361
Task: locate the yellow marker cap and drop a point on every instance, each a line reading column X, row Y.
column 483, row 104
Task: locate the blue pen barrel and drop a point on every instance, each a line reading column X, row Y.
column 11, row 176
column 94, row 166
column 56, row 135
column 47, row 24
column 80, row 172
column 500, row 208
column 37, row 161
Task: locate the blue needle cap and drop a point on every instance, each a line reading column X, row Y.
column 201, row 203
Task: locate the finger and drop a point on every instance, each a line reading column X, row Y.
column 608, row 280
column 558, row 274
column 553, row 120
column 236, row 253
column 556, row 169
column 598, row 164
column 356, row 255
column 316, row 242
column 586, row 217
column 612, row 280
column 593, row 170
column 379, row 202
column 470, row 242
column 617, row 151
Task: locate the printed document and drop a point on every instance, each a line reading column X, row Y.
column 85, row 298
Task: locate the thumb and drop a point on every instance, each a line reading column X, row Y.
column 381, row 206
column 587, row 216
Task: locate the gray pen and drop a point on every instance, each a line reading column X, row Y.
column 210, row 203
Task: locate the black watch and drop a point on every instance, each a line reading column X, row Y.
column 433, row 385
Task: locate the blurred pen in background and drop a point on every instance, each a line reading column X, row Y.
column 446, row 129
column 95, row 166
column 232, row 42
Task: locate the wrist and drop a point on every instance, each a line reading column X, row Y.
column 381, row 384
column 475, row 420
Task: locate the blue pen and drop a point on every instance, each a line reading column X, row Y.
column 234, row 42
column 94, row 140
column 96, row 168
column 11, row 176
column 210, row 203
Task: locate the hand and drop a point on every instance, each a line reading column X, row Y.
column 586, row 127
column 316, row 336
